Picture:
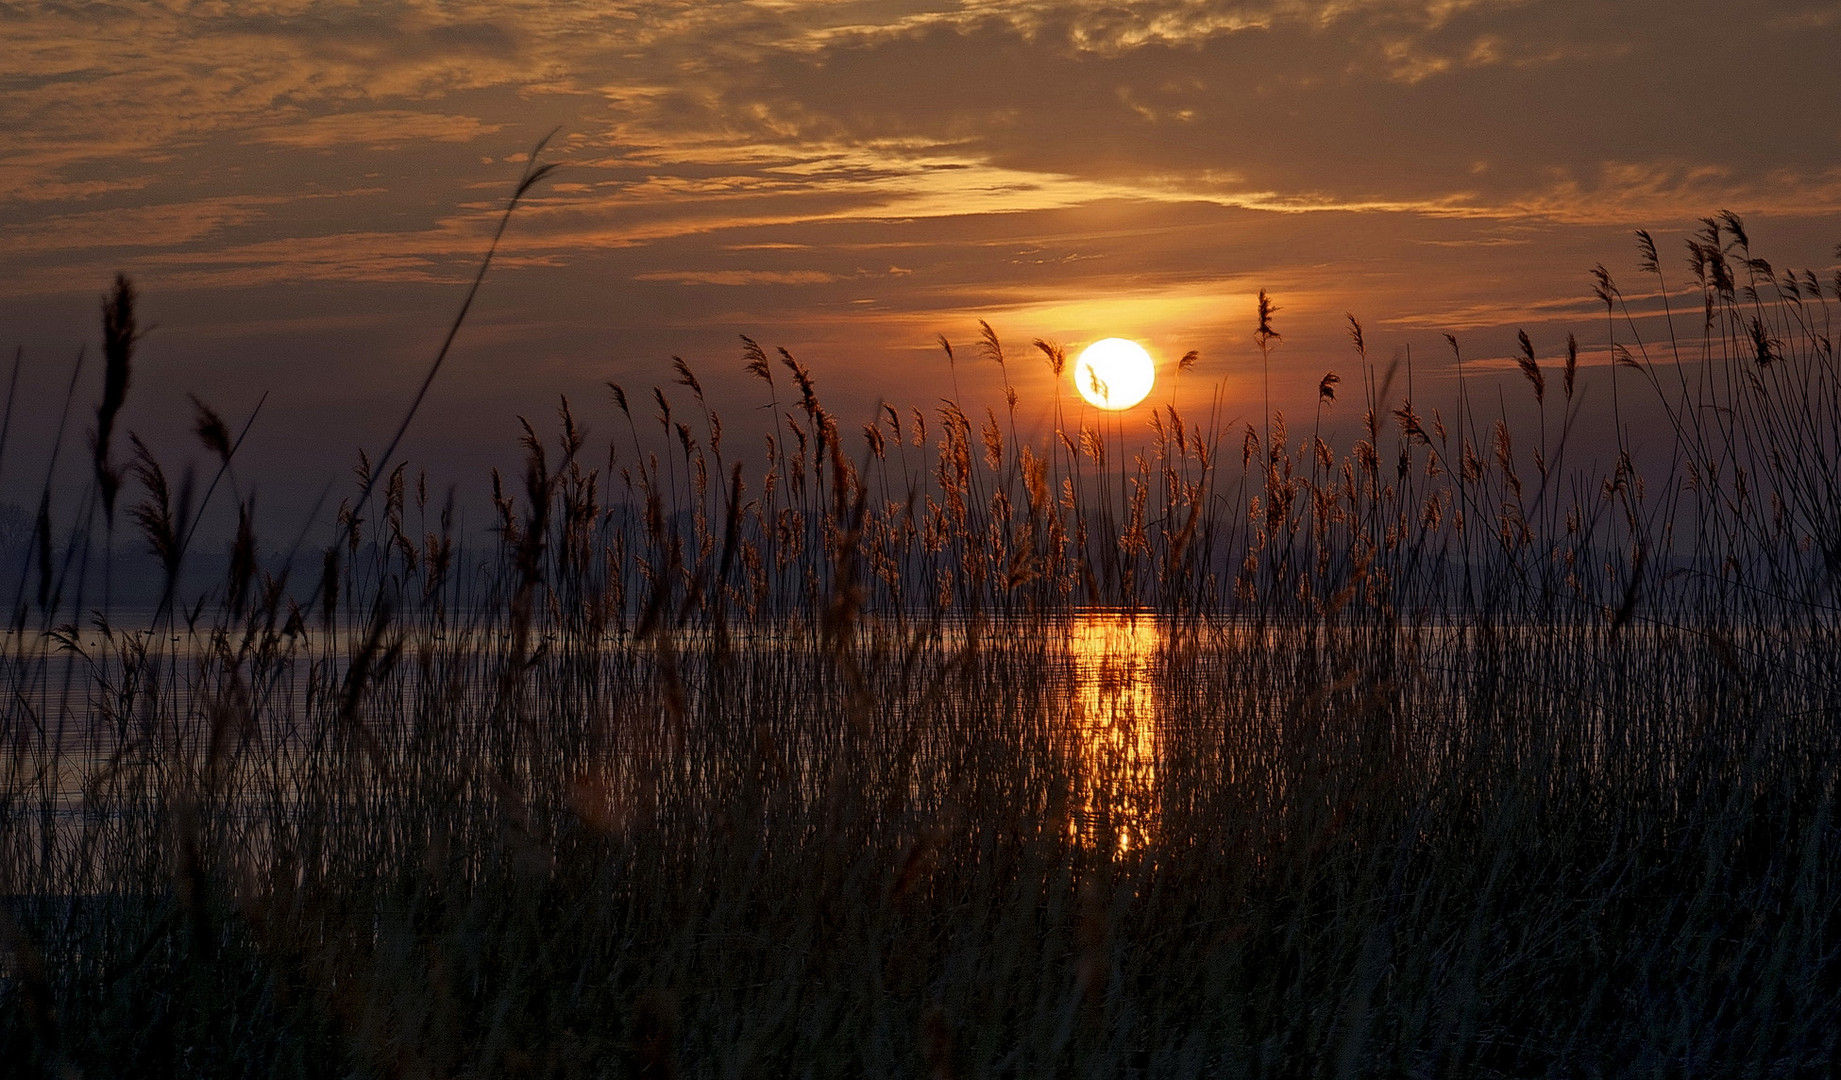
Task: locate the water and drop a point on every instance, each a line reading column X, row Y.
column 1111, row 722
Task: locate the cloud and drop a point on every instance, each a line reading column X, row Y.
column 378, row 129
column 96, row 84
column 740, row 277
column 166, row 225
column 1045, row 160
column 1382, row 104
column 1279, row 103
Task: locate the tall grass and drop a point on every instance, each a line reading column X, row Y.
column 919, row 748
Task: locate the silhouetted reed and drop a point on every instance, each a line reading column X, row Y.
column 927, row 746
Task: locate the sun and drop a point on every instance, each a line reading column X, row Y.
column 1114, row 373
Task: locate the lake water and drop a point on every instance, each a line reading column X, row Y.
column 1123, row 715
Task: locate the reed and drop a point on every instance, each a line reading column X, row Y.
column 945, row 752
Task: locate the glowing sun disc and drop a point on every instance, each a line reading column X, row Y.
column 1114, row 373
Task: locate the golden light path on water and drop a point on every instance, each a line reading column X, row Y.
column 1115, row 748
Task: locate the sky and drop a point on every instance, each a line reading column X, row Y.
column 302, row 190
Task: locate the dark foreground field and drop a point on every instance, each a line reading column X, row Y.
column 926, row 751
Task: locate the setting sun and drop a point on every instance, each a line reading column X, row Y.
column 1114, row 373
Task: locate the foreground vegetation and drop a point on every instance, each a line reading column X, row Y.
column 925, row 749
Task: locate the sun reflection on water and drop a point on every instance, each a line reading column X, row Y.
column 1115, row 747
